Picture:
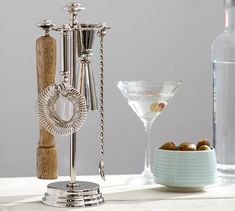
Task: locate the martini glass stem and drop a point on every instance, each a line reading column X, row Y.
column 147, row 164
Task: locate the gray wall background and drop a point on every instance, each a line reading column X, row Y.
column 160, row 40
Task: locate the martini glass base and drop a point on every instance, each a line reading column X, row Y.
column 146, row 178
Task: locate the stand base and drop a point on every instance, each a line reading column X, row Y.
column 84, row 194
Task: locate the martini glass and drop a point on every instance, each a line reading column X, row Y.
column 147, row 100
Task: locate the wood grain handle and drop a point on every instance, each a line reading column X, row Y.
column 46, row 69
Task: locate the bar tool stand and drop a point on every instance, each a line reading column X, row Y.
column 77, row 86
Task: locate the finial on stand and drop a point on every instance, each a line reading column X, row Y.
column 46, row 25
column 73, row 9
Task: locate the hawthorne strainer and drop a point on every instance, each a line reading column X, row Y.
column 48, row 115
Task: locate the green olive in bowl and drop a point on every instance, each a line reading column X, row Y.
column 202, row 142
column 168, row 146
column 203, row 147
column 187, row 146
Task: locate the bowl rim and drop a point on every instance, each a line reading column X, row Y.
column 185, row 152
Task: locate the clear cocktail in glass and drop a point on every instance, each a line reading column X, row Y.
column 147, row 100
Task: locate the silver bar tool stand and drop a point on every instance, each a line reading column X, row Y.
column 72, row 193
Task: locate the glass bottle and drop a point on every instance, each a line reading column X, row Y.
column 223, row 62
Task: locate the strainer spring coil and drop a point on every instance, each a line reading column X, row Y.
column 48, row 117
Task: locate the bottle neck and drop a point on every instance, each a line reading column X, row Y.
column 230, row 19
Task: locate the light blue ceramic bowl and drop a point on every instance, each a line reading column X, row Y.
column 185, row 169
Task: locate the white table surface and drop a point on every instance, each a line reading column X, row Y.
column 24, row 194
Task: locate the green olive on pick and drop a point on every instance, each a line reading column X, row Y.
column 157, row 107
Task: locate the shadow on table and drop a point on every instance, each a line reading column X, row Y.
column 119, row 194
column 151, row 194
column 24, row 203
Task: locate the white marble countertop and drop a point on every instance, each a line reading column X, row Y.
column 25, row 193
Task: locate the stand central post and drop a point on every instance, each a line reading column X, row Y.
column 73, row 9
column 73, row 139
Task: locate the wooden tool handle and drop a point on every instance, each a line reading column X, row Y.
column 46, row 69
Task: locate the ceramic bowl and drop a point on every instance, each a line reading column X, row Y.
column 185, row 169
